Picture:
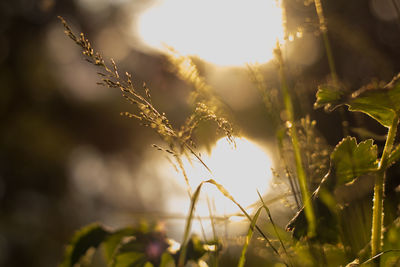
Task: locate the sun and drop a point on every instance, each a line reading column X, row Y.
column 223, row 32
column 242, row 171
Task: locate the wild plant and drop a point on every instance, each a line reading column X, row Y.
column 319, row 228
column 179, row 142
column 350, row 160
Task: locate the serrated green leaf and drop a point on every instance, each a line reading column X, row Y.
column 350, row 160
column 381, row 103
column 90, row 236
column 328, row 97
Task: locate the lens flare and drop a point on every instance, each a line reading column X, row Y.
column 223, row 32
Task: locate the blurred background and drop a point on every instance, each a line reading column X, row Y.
column 67, row 157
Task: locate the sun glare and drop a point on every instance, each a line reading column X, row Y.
column 242, row 171
column 223, row 32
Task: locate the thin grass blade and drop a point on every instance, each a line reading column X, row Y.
column 242, row 259
column 273, row 225
column 182, row 255
column 229, row 196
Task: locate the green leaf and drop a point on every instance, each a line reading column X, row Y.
column 134, row 243
column 112, row 241
column 350, row 160
column 146, row 246
column 328, row 97
column 130, row 259
column 88, row 237
column 148, row 264
column 167, row 260
column 381, row 102
column 195, row 248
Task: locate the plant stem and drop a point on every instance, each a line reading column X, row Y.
column 301, row 174
column 377, row 216
column 379, row 190
column 183, row 250
column 324, row 30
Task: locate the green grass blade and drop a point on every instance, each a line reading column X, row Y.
column 379, row 255
column 242, row 259
column 229, row 196
column 182, row 255
column 273, row 225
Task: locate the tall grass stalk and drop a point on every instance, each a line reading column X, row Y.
column 273, row 106
column 379, row 190
column 249, row 235
column 301, row 174
column 195, row 197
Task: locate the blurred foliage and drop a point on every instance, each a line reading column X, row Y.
column 140, row 246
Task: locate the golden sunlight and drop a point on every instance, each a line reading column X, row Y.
column 223, row 32
column 242, row 171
